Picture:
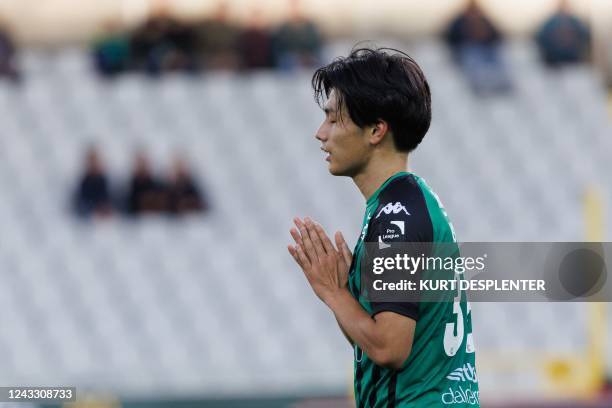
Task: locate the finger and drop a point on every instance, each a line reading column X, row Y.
column 314, row 237
column 307, row 246
column 304, row 261
column 327, row 244
column 296, row 236
column 343, row 248
column 293, row 253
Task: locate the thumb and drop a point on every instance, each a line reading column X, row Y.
column 343, row 248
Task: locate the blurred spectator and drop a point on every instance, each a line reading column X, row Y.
column 92, row 196
column 475, row 44
column 563, row 38
column 162, row 43
column 255, row 44
column 112, row 50
column 183, row 194
column 297, row 42
column 146, row 193
column 183, row 38
column 8, row 54
column 217, row 39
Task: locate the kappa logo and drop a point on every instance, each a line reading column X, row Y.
column 390, row 208
column 465, row 373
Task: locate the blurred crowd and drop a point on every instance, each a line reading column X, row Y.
column 164, row 43
column 475, row 42
column 8, row 54
column 144, row 192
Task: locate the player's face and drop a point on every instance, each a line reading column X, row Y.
column 345, row 144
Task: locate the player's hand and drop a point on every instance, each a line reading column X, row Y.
column 326, row 267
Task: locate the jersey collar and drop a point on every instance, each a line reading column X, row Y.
column 374, row 196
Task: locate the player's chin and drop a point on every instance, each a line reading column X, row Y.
column 336, row 170
column 332, row 168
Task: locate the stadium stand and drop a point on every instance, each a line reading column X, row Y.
column 193, row 306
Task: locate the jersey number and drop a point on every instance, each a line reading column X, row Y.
column 453, row 332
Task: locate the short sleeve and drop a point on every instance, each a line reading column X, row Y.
column 398, row 228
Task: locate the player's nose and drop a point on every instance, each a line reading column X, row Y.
column 321, row 134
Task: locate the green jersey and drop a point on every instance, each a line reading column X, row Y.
column 440, row 370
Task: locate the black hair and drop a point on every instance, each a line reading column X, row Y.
column 379, row 84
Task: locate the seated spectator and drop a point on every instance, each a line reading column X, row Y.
column 111, row 51
column 217, row 39
column 475, row 44
column 146, row 194
column 8, row 54
column 92, row 196
column 563, row 38
column 184, row 56
column 255, row 44
column 296, row 43
column 184, row 196
column 162, row 43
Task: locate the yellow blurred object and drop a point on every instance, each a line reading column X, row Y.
column 596, row 353
column 94, row 401
column 593, row 215
column 559, row 370
column 584, row 375
column 576, row 374
column 571, row 376
column 351, row 384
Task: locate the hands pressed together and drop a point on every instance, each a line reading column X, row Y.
column 326, row 267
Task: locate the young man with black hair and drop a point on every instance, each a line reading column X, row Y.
column 377, row 106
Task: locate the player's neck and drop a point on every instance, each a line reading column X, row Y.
column 378, row 170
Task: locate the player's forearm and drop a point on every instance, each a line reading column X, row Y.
column 361, row 328
column 346, row 336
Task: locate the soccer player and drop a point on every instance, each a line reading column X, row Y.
column 377, row 106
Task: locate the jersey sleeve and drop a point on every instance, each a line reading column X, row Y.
column 399, row 228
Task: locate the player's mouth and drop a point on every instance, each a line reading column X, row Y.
column 328, row 156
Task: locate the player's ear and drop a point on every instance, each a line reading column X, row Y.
column 378, row 132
